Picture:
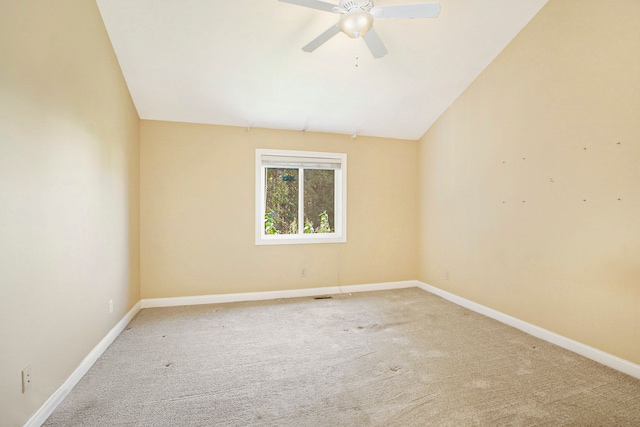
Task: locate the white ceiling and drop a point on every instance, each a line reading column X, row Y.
column 240, row 63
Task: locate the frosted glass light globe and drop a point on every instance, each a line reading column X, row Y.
column 355, row 23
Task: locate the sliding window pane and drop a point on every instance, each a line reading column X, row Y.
column 319, row 201
column 281, row 212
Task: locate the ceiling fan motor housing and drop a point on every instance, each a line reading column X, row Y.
column 349, row 5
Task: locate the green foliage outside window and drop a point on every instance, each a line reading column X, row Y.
column 282, row 201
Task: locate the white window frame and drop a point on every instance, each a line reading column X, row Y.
column 301, row 159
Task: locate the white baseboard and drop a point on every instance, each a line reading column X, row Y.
column 58, row 396
column 260, row 296
column 592, row 353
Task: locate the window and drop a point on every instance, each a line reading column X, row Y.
column 301, row 197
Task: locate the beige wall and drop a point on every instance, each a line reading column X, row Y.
column 69, row 191
column 197, row 213
column 530, row 182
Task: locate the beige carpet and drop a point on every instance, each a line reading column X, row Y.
column 389, row 358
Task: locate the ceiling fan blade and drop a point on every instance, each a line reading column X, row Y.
column 313, row 4
column 422, row 10
column 374, row 43
column 322, row 38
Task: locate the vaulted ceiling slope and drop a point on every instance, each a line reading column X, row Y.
column 240, row 63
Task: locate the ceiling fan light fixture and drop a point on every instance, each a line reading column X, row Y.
column 355, row 23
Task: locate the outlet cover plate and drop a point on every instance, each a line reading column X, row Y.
column 26, row 379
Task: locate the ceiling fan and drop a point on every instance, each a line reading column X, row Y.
column 357, row 18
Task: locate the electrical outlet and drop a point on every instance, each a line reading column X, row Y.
column 110, row 306
column 26, row 379
column 303, row 273
column 447, row 276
